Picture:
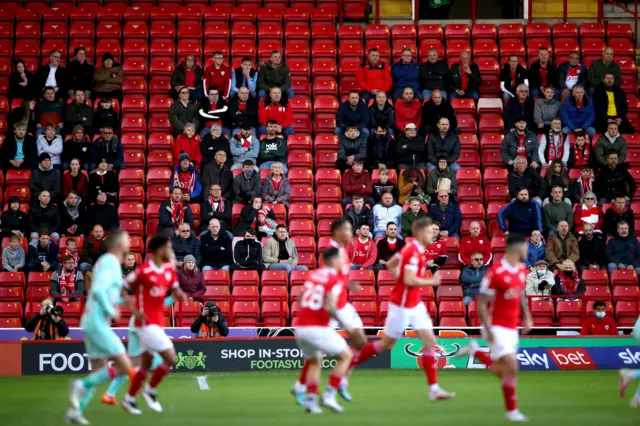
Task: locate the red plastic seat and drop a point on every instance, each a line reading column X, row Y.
column 37, row 293
column 217, row 293
column 597, row 277
column 217, row 278
column 245, row 292
column 565, row 31
column 362, row 277
column 457, row 31
column 245, row 278
column 624, row 277
column 619, row 30
column 368, row 312
column 302, row 228
column 452, row 309
column 538, row 30
column 11, row 294
column 510, row 31
column 329, row 210
column 470, row 193
column 492, row 158
column 10, row 309
column 566, row 46
column 626, row 313
column 484, row 31
column 497, row 193
column 452, row 293
column 542, row 312
column 625, row 293
column 35, row 278
column 598, row 292
column 131, row 211
column 493, row 175
column 569, row 313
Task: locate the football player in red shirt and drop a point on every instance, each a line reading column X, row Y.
column 315, row 336
column 406, row 308
column 503, row 287
column 150, row 283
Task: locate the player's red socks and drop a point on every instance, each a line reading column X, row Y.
column 111, row 371
column 484, row 358
column 312, row 387
column 370, row 350
column 509, row 393
column 303, row 373
column 334, row 381
column 137, row 381
column 158, row 374
column 429, row 365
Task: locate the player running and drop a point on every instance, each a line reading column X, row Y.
column 503, row 287
column 101, row 342
column 347, row 318
column 406, row 308
column 150, row 283
column 316, row 337
column 627, row 376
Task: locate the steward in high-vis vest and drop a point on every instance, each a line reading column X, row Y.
column 211, row 323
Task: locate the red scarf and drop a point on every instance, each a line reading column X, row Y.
column 246, row 143
column 74, row 255
column 220, row 204
column 521, row 149
column 177, row 213
column 568, row 284
column 185, row 180
column 586, row 185
column 67, row 284
column 582, row 156
column 554, row 151
column 464, row 77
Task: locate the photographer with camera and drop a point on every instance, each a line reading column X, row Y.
column 211, row 323
column 48, row 323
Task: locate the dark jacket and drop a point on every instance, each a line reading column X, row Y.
column 62, row 80
column 80, row 150
column 385, row 252
column 505, row 77
column 80, row 184
column 179, row 115
column 438, row 147
column 178, row 78
column 470, row 279
column 530, row 180
column 379, row 188
column 92, row 250
column 39, row 254
column 247, row 254
column 10, row 146
column 410, row 151
column 523, row 218
column 20, row 114
column 47, row 217
column 623, row 250
column 434, row 177
column 270, row 76
column 601, row 105
column 166, row 221
column 54, row 283
column 67, row 221
column 47, row 326
column 474, row 79
column 434, row 75
column 247, row 219
column 192, row 282
column 104, row 214
column 213, row 173
column 357, row 219
column 216, row 252
column 21, row 92
column 356, row 147
column 618, row 181
column 184, row 247
column 535, row 79
column 223, row 117
column 432, row 113
column 17, row 220
column 78, row 114
column 113, row 151
column 515, row 110
column 270, row 195
column 406, row 221
column 509, row 147
column 611, row 218
column 244, row 189
column 209, row 146
column 563, row 70
column 218, row 328
column 273, row 150
column 381, row 149
column 45, row 180
column 105, row 118
column 406, row 75
column 592, row 252
column 346, row 115
column 239, row 116
column 207, row 213
column 107, row 184
column 535, row 253
column 384, row 117
column 450, row 218
column 80, row 75
column 577, row 118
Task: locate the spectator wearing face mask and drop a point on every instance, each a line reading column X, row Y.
column 568, row 281
column 599, row 324
column 539, row 281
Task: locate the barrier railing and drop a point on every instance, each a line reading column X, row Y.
column 633, row 13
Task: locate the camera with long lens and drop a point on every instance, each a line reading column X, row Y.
column 53, row 310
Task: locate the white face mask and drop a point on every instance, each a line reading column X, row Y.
column 601, row 314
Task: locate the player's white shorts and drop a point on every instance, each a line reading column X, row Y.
column 315, row 341
column 505, row 342
column 349, row 318
column 153, row 339
column 400, row 318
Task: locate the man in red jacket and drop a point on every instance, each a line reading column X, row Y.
column 357, row 181
column 362, row 250
column 599, row 324
column 474, row 243
column 217, row 76
column 408, row 110
column 275, row 108
column 374, row 76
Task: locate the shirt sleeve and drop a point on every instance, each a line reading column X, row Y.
column 411, row 261
column 488, row 285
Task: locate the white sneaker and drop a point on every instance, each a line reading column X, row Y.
column 73, row 416
column 635, row 402
column 314, row 409
column 469, row 349
column 516, row 416
column 440, row 394
column 330, row 402
column 625, row 379
column 151, row 400
column 76, row 393
column 130, row 406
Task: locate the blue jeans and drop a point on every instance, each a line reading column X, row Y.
column 469, row 94
column 613, row 267
column 84, row 267
column 589, row 131
column 288, row 94
column 215, row 268
column 535, row 93
column 286, row 267
column 267, row 166
column 467, row 299
column 426, row 94
column 357, row 267
column 453, row 167
column 286, row 131
column 397, row 94
column 365, row 132
column 225, row 131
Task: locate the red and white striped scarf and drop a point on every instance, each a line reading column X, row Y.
column 67, row 284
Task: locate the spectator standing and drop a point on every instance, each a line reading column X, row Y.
column 434, row 74
column 103, row 213
column 539, row 281
column 568, row 282
column 191, row 279
column 447, row 214
column 523, row 177
column 49, row 111
column 556, row 211
column 77, row 146
column 519, row 108
column 577, row 113
column 216, row 207
column 581, row 154
column 411, row 150
column 474, row 243
column 542, row 73
column 247, row 254
column 362, row 250
column 599, row 324
column 471, row 277
column 373, row 76
column 66, row 281
column 359, row 213
column 545, row 110
column 243, row 109
column 614, row 180
column 108, row 79
column 387, row 247
column 588, row 213
column 45, row 178
column 381, row 149
column 618, row 212
column 217, row 76
column 18, row 151
column 247, row 184
column 215, row 248
column 188, row 74
column 44, row 215
column 383, row 213
column 536, row 250
column 277, row 109
column 274, row 74
column 21, row 82
column 80, row 73
column 14, row 220
column 219, row 173
column 174, row 212
column 436, row 108
column 443, row 143
column 244, row 76
column 354, row 112
column 77, row 113
column 408, row 109
column 106, row 116
column 103, row 180
column 570, row 74
column 436, row 179
column 108, row 146
column 183, row 111
column 465, row 78
column 382, row 113
column 512, row 75
column 412, row 184
column 211, row 143
column 357, row 181
column 611, row 141
column 561, row 246
column 185, row 244
column 214, row 110
column 521, row 142
column 600, row 67
column 73, row 216
column 412, row 214
column 186, row 177
column 521, row 216
column 280, row 252
column 405, row 73
column 382, row 185
column 273, row 148
column 52, row 75
column 592, row 249
column 610, row 105
column 276, row 188
column 352, row 146
column 43, row 256
column 623, row 250
column 583, row 184
column 14, row 258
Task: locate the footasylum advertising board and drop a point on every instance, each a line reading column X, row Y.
column 534, row 353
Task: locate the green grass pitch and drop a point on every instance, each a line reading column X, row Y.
column 381, row 397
